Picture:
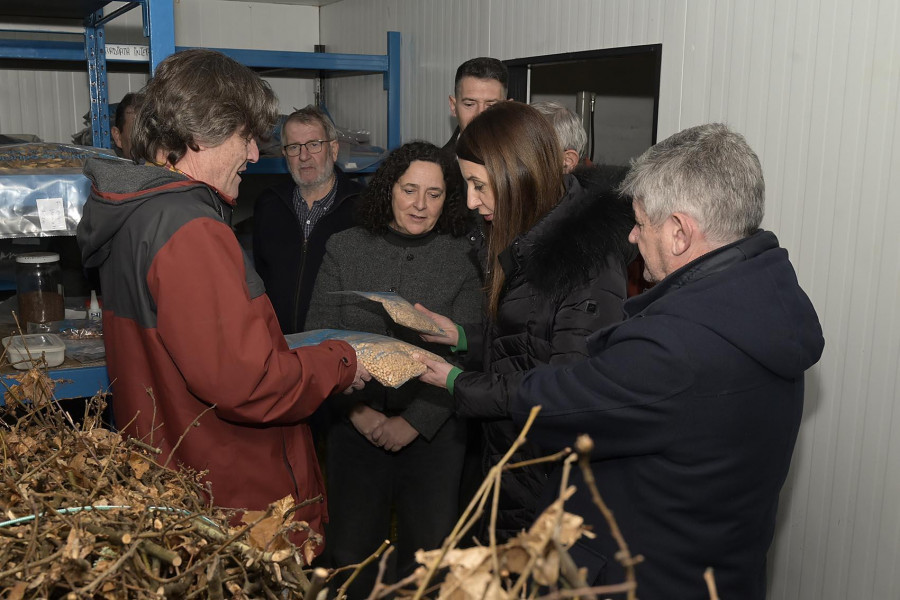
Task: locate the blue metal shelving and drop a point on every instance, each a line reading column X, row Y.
column 158, row 18
column 159, row 29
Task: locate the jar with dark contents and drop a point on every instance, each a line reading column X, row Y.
column 39, row 288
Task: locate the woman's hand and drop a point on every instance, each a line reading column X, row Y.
column 394, row 433
column 437, row 372
column 366, row 420
column 451, row 335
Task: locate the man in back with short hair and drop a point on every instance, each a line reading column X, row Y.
column 480, row 82
column 293, row 220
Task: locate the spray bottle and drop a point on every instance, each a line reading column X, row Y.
column 94, row 312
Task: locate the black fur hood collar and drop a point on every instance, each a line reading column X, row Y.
column 587, row 229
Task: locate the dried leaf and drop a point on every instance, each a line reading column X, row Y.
column 516, row 558
column 309, row 548
column 571, row 527
column 78, row 544
column 77, row 463
column 280, row 555
column 17, row 591
column 481, row 585
column 546, row 569
column 139, row 465
column 458, row 559
column 267, row 534
column 34, row 387
column 37, row 581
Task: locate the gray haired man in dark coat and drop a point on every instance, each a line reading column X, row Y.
column 694, row 401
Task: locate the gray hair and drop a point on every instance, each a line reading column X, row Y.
column 311, row 115
column 568, row 126
column 708, row 172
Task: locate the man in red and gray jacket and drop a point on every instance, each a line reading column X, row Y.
column 191, row 337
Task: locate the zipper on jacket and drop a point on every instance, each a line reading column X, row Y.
column 288, row 466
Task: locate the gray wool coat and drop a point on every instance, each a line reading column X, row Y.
column 437, row 270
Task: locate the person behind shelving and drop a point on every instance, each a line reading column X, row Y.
column 293, row 220
column 399, row 448
column 124, row 123
column 695, row 400
column 555, row 256
column 190, row 335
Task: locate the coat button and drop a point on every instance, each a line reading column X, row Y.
column 409, row 257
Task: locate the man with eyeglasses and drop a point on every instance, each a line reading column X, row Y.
column 293, row 220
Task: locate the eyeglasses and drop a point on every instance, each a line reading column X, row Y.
column 313, row 147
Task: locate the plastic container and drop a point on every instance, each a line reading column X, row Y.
column 39, row 288
column 18, row 348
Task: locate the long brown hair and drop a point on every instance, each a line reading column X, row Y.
column 520, row 152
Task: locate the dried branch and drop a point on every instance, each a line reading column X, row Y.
column 473, row 511
column 382, row 567
column 194, row 423
column 584, row 446
column 710, row 578
column 342, row 591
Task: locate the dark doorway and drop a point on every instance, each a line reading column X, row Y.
column 615, row 91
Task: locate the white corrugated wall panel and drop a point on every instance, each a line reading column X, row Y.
column 814, row 85
column 52, row 104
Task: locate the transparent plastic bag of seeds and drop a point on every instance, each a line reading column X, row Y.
column 389, row 360
column 401, row 311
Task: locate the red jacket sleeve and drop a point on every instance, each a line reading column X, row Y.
column 227, row 345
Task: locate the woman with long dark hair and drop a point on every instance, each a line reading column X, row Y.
column 555, row 253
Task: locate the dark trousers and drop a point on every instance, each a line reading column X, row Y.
column 367, row 485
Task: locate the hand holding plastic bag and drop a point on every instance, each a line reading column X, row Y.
column 388, row 360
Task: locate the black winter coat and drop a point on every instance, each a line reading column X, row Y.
column 565, row 279
column 287, row 262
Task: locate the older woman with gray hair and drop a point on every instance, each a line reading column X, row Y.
column 191, row 337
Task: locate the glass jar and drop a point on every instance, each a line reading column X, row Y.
column 39, row 288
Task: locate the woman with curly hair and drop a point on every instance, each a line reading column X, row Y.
column 411, row 241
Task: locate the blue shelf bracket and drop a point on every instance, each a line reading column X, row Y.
column 392, row 85
column 95, row 53
column 159, row 20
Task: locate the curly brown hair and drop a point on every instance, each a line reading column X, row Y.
column 376, row 210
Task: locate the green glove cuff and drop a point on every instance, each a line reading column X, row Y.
column 462, row 344
column 451, row 378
